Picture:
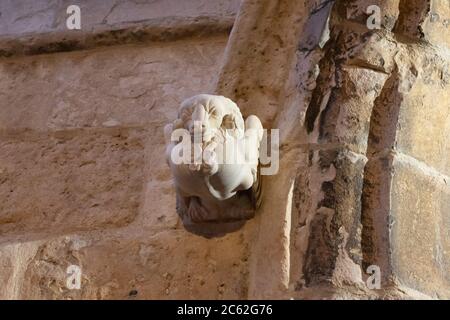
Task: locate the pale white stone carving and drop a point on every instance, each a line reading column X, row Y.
column 219, row 183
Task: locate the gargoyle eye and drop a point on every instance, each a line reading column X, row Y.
column 213, row 112
column 228, row 122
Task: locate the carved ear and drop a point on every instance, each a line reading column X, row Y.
column 228, row 122
column 185, row 114
column 231, row 123
column 238, row 121
column 215, row 116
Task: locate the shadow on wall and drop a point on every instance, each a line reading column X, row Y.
column 213, row 229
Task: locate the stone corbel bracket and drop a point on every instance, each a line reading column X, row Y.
column 214, row 158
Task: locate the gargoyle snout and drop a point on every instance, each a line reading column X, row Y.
column 199, row 119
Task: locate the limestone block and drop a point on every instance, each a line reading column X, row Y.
column 405, row 223
column 158, row 203
column 424, row 116
column 345, row 117
column 44, row 16
column 127, row 264
column 378, row 92
column 437, row 24
column 352, row 76
column 70, row 180
column 411, row 113
column 425, row 20
column 420, row 237
column 259, row 55
column 122, row 86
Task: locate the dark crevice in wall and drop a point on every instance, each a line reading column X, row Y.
column 314, row 41
column 412, row 15
column 318, row 100
column 157, row 30
column 375, row 215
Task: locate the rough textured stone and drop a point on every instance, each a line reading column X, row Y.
column 124, row 265
column 40, row 27
column 70, row 180
column 420, row 238
column 363, row 119
column 82, row 151
column 367, row 98
column 424, row 113
column 124, row 86
column 44, row 16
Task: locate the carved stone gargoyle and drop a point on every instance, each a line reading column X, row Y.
column 214, row 157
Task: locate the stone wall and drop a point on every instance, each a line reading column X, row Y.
column 364, row 173
column 83, row 177
column 363, row 117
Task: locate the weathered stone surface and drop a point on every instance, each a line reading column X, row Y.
column 375, row 216
column 125, row 265
column 44, row 16
column 424, row 113
column 419, row 222
column 363, row 175
column 424, row 20
column 437, row 26
column 348, row 122
column 333, row 225
column 40, row 27
column 70, row 180
column 158, row 208
column 135, row 94
column 123, row 86
column 87, row 157
column 357, row 11
column 256, row 85
column 372, row 95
